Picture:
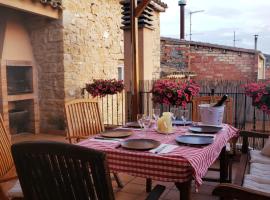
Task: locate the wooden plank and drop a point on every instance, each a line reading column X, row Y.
column 141, row 7
column 19, row 63
column 2, row 35
column 34, row 7
column 135, row 60
column 20, row 97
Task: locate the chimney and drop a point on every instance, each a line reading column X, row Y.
column 256, row 41
column 182, row 4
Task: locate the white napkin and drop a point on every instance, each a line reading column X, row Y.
column 106, row 140
column 202, row 134
column 163, row 148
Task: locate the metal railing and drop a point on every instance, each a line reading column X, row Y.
column 116, row 109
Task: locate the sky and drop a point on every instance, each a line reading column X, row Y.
column 219, row 20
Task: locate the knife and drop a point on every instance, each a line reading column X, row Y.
column 102, row 138
column 160, row 149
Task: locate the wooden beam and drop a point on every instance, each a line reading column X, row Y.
column 141, row 7
column 135, row 60
column 2, row 35
column 34, row 7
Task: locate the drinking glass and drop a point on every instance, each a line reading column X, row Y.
column 184, row 115
column 140, row 119
column 156, row 113
column 174, row 114
column 146, row 121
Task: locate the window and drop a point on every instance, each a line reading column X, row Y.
column 120, row 72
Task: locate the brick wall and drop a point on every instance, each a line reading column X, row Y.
column 208, row 61
column 267, row 66
column 267, row 72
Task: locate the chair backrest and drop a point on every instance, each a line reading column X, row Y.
column 83, row 118
column 60, row 171
column 228, row 118
column 6, row 161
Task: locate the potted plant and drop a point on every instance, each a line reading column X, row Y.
column 260, row 94
column 174, row 93
column 101, row 87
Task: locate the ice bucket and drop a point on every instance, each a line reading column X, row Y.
column 211, row 115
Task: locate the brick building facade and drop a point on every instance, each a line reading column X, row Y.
column 267, row 66
column 210, row 61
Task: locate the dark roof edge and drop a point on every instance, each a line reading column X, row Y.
column 57, row 4
column 216, row 46
column 159, row 5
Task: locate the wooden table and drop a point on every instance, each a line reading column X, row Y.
column 180, row 166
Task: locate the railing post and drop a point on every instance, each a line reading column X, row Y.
column 254, row 118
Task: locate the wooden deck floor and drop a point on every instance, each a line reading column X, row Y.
column 134, row 188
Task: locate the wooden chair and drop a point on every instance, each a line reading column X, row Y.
column 7, row 169
column 61, row 171
column 84, row 119
column 250, row 140
column 228, row 118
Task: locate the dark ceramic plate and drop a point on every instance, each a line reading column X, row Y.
column 117, row 133
column 195, row 140
column 140, row 144
column 205, row 129
column 181, row 123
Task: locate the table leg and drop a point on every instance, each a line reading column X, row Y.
column 148, row 185
column 184, row 189
column 223, row 166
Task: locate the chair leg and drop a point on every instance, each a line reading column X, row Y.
column 2, row 194
column 230, row 170
column 118, row 180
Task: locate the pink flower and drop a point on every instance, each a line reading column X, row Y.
column 173, row 93
column 264, row 107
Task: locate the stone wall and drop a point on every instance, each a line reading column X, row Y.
column 86, row 44
column 156, row 45
column 93, row 42
column 47, row 42
column 208, row 62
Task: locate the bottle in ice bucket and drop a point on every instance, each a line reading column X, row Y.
column 212, row 98
column 221, row 101
column 164, row 123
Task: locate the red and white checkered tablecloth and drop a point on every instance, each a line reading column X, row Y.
column 179, row 165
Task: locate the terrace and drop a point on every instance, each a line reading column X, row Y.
column 49, row 50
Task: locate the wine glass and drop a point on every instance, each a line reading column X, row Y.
column 184, row 115
column 156, row 113
column 140, row 119
column 146, row 121
column 174, row 113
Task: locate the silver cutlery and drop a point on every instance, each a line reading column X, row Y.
column 160, row 149
column 102, row 138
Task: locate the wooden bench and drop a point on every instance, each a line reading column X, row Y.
column 249, row 175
